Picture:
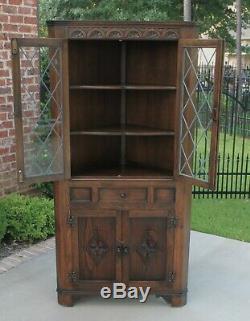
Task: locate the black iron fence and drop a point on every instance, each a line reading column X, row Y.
column 233, row 179
column 233, row 170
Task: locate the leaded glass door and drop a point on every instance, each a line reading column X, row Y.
column 200, row 74
column 41, row 109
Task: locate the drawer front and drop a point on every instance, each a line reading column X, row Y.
column 164, row 196
column 81, row 194
column 106, row 195
column 123, row 194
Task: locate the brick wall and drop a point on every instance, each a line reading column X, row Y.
column 18, row 18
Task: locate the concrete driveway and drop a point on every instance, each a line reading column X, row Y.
column 219, row 290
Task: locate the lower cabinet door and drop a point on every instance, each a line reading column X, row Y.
column 94, row 248
column 150, row 241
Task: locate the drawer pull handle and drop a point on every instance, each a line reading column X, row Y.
column 123, row 195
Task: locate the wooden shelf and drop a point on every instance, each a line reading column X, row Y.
column 99, row 87
column 142, row 87
column 126, row 172
column 130, row 130
column 119, row 87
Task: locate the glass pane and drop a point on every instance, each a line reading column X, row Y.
column 41, row 99
column 197, row 111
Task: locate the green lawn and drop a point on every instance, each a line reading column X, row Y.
column 230, row 142
column 225, row 217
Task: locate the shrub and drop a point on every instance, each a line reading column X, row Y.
column 28, row 218
column 3, row 224
column 46, row 189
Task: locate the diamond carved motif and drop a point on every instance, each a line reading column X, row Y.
column 97, row 247
column 148, row 246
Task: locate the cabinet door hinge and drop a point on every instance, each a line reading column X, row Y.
column 71, row 221
column 73, row 276
column 171, row 277
column 172, row 222
column 14, row 47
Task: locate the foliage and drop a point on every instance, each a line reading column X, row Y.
column 28, row 218
column 3, row 224
column 224, row 217
column 46, row 189
column 216, row 18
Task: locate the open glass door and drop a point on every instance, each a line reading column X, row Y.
column 41, row 109
column 200, row 75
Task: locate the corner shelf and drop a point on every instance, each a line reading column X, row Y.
column 126, row 172
column 95, row 87
column 129, row 130
column 120, row 87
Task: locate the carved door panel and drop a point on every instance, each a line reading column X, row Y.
column 149, row 238
column 95, row 240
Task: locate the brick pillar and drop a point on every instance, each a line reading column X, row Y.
column 18, row 18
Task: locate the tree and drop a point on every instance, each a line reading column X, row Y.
column 238, row 38
column 216, row 18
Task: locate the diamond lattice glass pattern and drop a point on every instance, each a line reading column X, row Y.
column 41, row 99
column 196, row 111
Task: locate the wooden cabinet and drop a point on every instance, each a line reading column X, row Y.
column 108, row 111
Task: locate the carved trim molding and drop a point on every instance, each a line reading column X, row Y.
column 123, row 32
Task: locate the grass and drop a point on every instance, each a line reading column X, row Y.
column 224, row 217
column 229, row 140
column 229, row 144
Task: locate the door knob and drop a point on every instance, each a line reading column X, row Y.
column 123, row 195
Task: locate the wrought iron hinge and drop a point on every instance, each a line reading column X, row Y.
column 73, row 276
column 171, row 277
column 14, row 47
column 71, row 220
column 172, row 222
column 20, row 176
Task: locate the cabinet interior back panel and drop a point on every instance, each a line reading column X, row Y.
column 151, row 152
column 154, row 109
column 91, row 153
column 94, row 62
column 93, row 109
column 152, row 63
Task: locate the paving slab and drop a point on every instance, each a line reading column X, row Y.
column 219, row 290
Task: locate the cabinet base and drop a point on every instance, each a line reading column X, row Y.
column 176, row 300
column 68, row 298
column 65, row 299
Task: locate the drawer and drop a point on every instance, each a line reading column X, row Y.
column 123, row 194
column 80, row 194
column 164, row 196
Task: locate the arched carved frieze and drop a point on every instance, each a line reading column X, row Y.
column 122, row 32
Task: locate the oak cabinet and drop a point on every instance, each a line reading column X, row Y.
column 108, row 111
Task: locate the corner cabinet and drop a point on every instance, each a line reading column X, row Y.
column 122, row 117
